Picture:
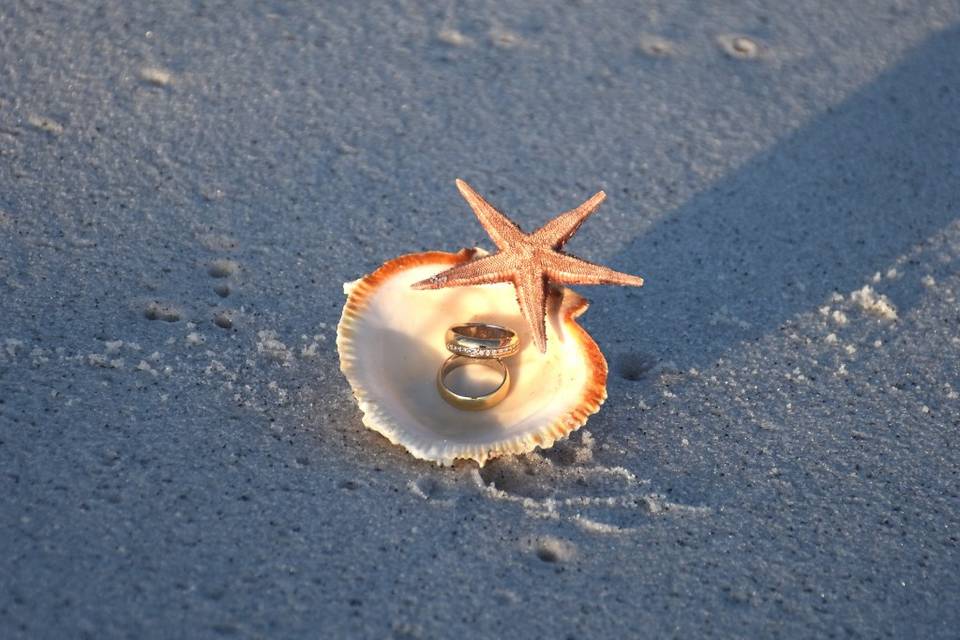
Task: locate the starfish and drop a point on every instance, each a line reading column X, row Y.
column 529, row 260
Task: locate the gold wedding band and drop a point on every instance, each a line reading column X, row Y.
column 483, row 344
column 473, row 403
column 482, row 340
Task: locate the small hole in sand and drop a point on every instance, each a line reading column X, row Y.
column 745, row 46
column 156, row 76
column 157, row 311
column 656, row 46
column 349, row 485
column 505, row 39
column 223, row 321
column 454, row 38
column 48, row 125
column 546, row 554
column 222, row 290
column 635, row 366
column 739, row 46
column 552, row 550
column 222, row 268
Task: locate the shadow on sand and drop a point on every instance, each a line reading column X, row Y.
column 819, row 212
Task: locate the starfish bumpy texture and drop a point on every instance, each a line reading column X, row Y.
column 529, row 260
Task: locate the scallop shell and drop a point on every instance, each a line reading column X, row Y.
column 391, row 343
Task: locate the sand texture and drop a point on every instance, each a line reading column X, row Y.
column 184, row 187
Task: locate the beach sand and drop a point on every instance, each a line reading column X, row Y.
column 184, row 188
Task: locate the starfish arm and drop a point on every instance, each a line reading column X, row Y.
column 565, row 269
column 499, row 227
column 556, row 232
column 485, row 270
column 532, row 297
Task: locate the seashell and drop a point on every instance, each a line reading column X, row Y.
column 391, row 343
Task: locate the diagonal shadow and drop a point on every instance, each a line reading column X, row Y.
column 819, row 212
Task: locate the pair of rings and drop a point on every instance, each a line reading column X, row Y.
column 481, row 344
